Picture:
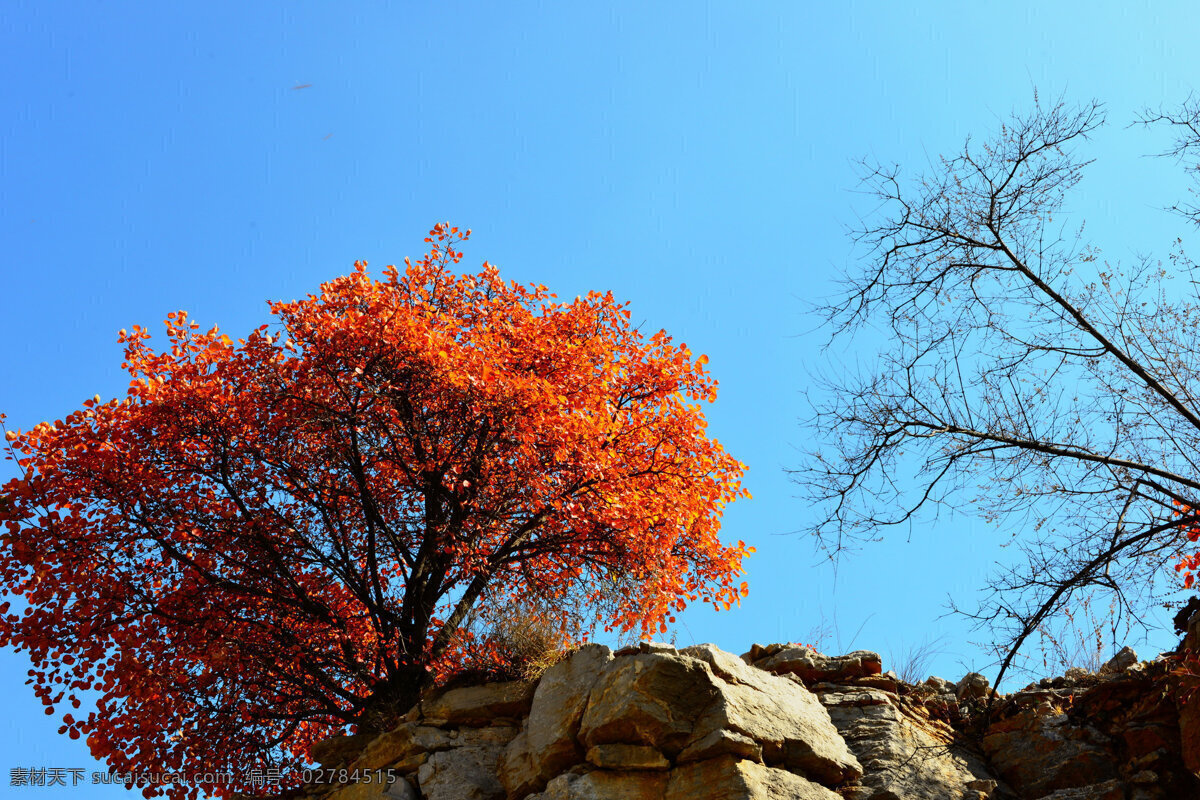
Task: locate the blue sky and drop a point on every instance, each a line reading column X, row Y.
column 696, row 159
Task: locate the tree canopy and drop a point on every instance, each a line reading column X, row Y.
column 270, row 538
column 1024, row 377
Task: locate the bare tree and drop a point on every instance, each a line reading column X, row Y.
column 1024, row 377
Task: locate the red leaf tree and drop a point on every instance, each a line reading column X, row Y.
column 270, row 539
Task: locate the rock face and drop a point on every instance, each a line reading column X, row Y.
column 782, row 721
column 1119, row 734
column 905, row 753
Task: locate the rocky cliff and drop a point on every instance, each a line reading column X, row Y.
column 781, row 721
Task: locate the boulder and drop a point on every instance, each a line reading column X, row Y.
column 463, row 773
column 626, row 757
column 648, row 699
column 403, row 748
column 728, row 778
column 338, row 750
column 782, row 716
column 905, row 754
column 939, row 685
column 719, row 743
column 606, row 785
column 547, row 743
column 480, row 705
column 973, row 686
column 1122, row 661
column 813, row 667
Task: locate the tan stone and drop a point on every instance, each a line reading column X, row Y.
column 462, row 773
column 516, row 770
column 812, row 667
column 728, row 778
column 884, row 683
column 903, row 753
column 400, row 745
column 338, row 750
column 627, row 757
column 789, row 721
column 547, row 744
column 853, row 696
column 359, row 791
column 606, row 785
column 480, row 705
column 651, row 699
column 719, row 743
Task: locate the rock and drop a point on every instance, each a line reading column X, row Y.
column 649, row 699
column 939, row 685
column 833, row 695
column 986, row 787
column 1108, row 790
column 662, row 724
column 719, row 743
column 812, row 667
column 605, row 785
column 360, row 791
column 973, row 686
column 1144, row 777
column 403, row 747
column 905, row 754
column 401, row 789
column 547, row 743
column 1187, row 622
column 758, row 652
column 1076, row 674
column 1189, row 734
column 627, row 757
column 646, row 647
column 480, row 705
column 516, row 769
column 1038, row 752
column 786, row 719
column 885, row 682
column 463, row 773
column 338, row 750
column 727, row 778
column 1122, row 661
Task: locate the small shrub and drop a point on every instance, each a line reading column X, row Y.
column 516, row 642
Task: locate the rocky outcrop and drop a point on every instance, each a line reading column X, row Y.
column 1119, row 733
column 904, row 750
column 782, row 721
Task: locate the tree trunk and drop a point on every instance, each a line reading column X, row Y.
column 392, row 698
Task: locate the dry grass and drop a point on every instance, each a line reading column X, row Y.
column 1086, row 639
column 912, row 663
column 518, row 641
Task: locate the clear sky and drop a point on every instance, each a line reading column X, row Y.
column 694, row 158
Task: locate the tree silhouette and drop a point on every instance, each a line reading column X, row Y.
column 1024, row 378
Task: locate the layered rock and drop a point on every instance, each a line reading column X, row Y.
column 1120, row 733
column 782, row 721
column 904, row 751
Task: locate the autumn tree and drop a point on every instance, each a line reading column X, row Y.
column 272, row 538
column 1024, row 377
